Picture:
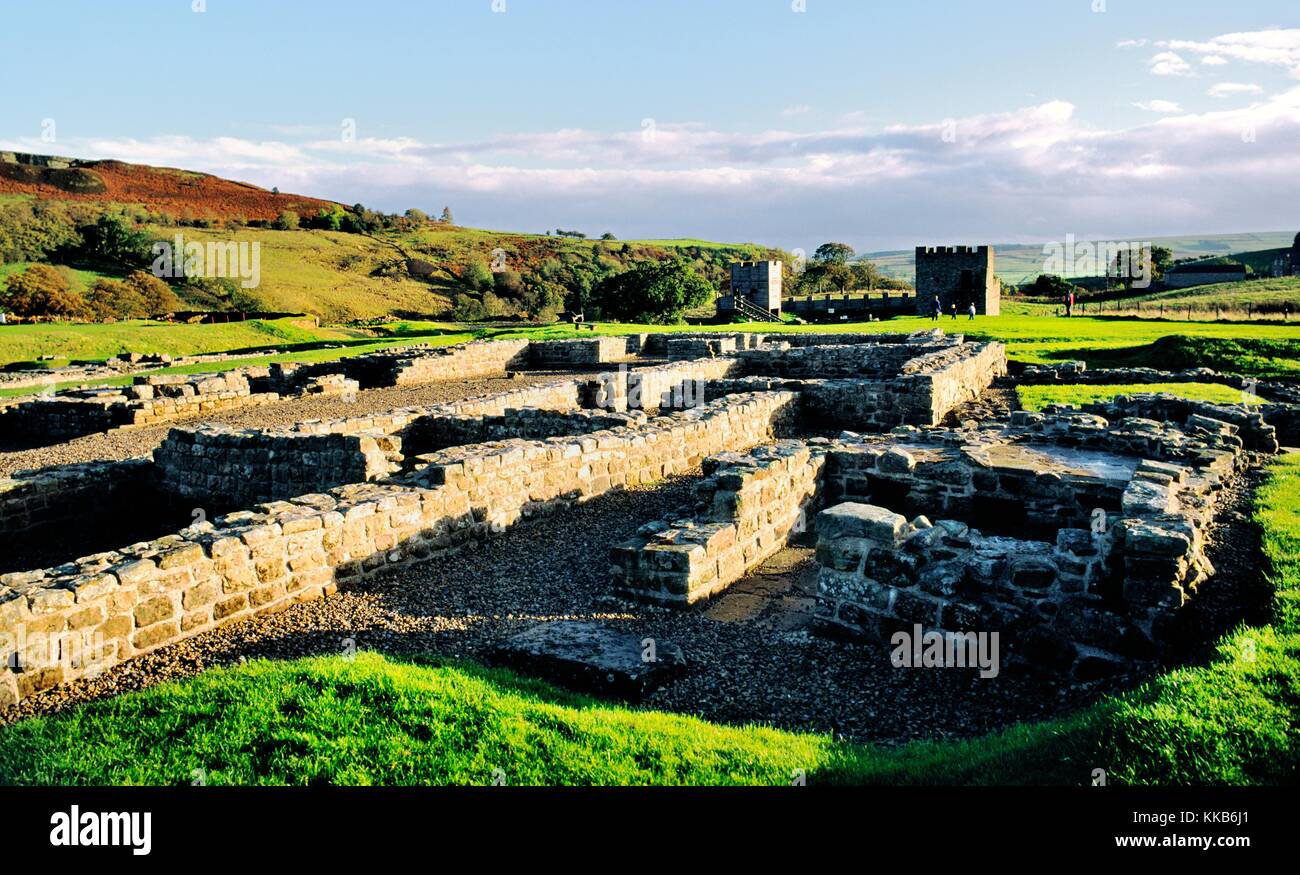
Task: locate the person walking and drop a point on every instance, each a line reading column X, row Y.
column 972, row 311
column 938, row 309
column 954, row 311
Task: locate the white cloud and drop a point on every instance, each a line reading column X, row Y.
column 798, row 110
column 1034, row 172
column 1169, row 64
column 1276, row 47
column 1131, row 43
column 1228, row 89
column 1214, row 61
column 1161, row 106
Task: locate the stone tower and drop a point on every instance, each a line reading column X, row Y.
column 758, row 282
column 959, row 274
column 1295, row 256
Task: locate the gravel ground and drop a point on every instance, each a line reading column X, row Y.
column 749, row 667
column 129, row 442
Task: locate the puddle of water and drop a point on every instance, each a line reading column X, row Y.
column 1068, row 461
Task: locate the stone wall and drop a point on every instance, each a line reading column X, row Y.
column 1102, row 546
column 686, row 348
column 241, row 467
column 828, row 362
column 577, row 353
column 440, row 431
column 33, row 502
column 151, row 400
column 60, row 623
column 1249, row 424
column 407, row 365
column 674, row 386
column 749, row 506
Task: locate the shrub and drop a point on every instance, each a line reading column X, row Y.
column 42, row 292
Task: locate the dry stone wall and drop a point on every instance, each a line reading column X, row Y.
column 750, row 506
column 152, row 400
column 1101, row 589
column 578, row 353
column 241, row 467
column 61, row 623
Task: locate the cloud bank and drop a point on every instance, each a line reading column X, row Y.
column 1032, row 173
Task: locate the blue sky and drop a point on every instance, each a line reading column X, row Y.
column 884, row 124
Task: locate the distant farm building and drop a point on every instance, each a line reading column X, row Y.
column 1187, row 275
column 959, row 275
column 755, row 291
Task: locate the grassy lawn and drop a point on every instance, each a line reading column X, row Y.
column 370, row 720
column 1038, row 397
column 1259, row 349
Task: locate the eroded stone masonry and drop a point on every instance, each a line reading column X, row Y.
column 1078, row 535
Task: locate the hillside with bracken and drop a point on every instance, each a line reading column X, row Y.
column 180, row 194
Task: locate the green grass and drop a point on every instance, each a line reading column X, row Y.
column 1271, row 292
column 97, row 341
column 1038, row 397
column 372, row 720
column 1258, row 349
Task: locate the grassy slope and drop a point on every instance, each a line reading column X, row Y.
column 1038, row 397
column 370, row 720
column 20, row 343
column 1229, row 296
column 323, row 272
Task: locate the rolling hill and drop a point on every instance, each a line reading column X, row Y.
column 1019, row 262
column 405, row 267
column 180, row 194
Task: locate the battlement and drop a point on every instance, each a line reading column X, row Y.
column 957, row 276
column 933, row 251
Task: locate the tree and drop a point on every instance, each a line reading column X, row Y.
column 417, row 215
column 608, row 235
column 477, row 277
column 286, row 221
column 655, row 292
column 833, row 253
column 865, row 275
column 112, row 241
column 42, row 291
column 1049, row 285
column 113, row 299
column 446, row 218
column 156, row 296
column 839, row 275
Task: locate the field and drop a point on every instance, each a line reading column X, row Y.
column 371, row 720
column 1257, row 349
column 1038, row 397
